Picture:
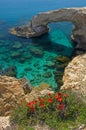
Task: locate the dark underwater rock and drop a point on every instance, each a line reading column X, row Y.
column 22, row 60
column 27, row 69
column 15, row 54
column 50, row 64
column 11, row 71
column 62, row 59
column 61, row 66
column 36, row 52
column 59, row 73
column 17, row 45
column 59, row 48
column 36, row 65
column 47, row 75
column 27, row 57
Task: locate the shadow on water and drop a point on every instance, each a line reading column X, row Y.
column 55, row 44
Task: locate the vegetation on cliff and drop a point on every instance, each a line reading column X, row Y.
column 60, row 111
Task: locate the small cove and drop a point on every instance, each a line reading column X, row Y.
column 33, row 58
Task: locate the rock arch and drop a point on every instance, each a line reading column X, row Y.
column 39, row 24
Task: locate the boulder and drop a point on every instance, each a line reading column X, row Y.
column 26, row 85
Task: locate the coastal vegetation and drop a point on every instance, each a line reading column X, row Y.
column 62, row 110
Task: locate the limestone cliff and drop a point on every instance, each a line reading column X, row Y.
column 75, row 75
column 11, row 94
column 39, row 24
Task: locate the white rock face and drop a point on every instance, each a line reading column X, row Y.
column 39, row 24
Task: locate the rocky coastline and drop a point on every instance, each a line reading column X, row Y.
column 15, row 92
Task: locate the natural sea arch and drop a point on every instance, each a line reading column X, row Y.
column 38, row 25
column 58, row 37
column 65, row 27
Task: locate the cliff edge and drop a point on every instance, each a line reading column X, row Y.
column 75, row 75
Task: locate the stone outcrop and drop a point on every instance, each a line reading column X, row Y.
column 39, row 24
column 75, row 75
column 15, row 92
column 11, row 94
column 36, row 92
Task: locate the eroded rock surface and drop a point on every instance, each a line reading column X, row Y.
column 15, row 92
column 38, row 25
column 11, row 94
column 75, row 75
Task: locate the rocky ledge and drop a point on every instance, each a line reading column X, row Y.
column 38, row 25
column 75, row 75
column 15, row 92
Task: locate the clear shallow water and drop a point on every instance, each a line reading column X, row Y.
column 18, row 52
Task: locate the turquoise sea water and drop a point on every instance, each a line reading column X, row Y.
column 19, row 53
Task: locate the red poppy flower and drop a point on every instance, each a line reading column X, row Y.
column 39, row 99
column 42, row 105
column 30, row 104
column 56, row 97
column 35, row 102
column 61, row 106
column 65, row 95
column 32, row 108
column 59, row 94
column 42, row 99
column 49, row 94
column 50, row 100
column 60, row 99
